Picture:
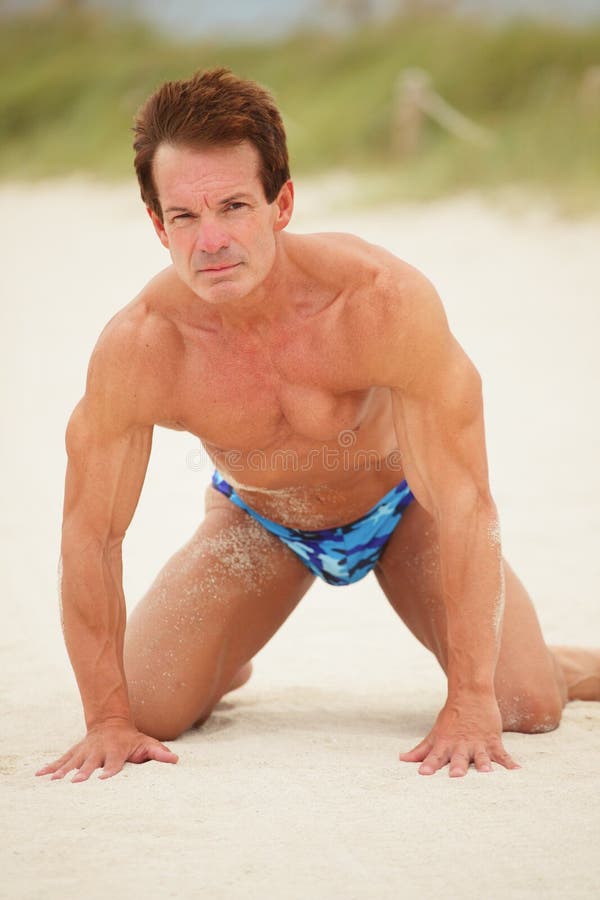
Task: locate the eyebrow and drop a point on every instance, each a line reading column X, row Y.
column 238, row 196
column 223, row 202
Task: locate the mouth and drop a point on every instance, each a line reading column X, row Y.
column 218, row 269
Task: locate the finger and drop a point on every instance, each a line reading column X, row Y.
column 87, row 769
column 504, row 758
column 459, row 763
column 47, row 769
column 160, row 753
column 67, row 767
column 149, row 749
column 418, row 753
column 434, row 761
column 53, row 766
column 482, row 761
column 112, row 766
column 152, row 750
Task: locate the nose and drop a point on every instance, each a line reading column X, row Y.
column 211, row 238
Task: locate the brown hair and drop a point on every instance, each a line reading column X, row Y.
column 211, row 108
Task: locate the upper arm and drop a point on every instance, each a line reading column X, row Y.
column 437, row 402
column 108, row 447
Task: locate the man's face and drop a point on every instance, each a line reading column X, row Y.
column 217, row 224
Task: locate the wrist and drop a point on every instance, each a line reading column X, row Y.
column 100, row 722
column 100, row 714
column 479, row 688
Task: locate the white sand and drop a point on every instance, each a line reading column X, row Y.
column 294, row 789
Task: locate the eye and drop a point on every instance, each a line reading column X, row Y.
column 181, row 216
column 235, row 205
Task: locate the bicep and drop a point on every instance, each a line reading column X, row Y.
column 440, row 431
column 436, row 395
column 105, row 472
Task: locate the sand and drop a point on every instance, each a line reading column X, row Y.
column 293, row 789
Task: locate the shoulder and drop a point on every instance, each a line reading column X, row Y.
column 134, row 361
column 406, row 309
column 372, row 276
column 347, row 258
column 417, row 352
column 393, row 317
column 141, row 326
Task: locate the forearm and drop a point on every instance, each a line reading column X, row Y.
column 473, row 589
column 93, row 619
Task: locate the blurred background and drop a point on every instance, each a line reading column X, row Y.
column 417, row 99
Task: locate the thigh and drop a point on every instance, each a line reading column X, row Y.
column 214, row 604
column 526, row 678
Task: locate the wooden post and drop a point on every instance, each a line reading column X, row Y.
column 412, row 88
column 415, row 100
column 589, row 89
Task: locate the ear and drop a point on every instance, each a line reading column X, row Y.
column 158, row 227
column 285, row 206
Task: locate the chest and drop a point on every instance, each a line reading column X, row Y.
column 246, row 394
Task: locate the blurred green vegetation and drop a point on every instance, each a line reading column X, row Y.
column 70, row 84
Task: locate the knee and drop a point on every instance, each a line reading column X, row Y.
column 161, row 727
column 164, row 718
column 166, row 727
column 167, row 711
column 162, row 733
column 532, row 714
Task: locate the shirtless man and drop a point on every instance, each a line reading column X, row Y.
column 321, row 377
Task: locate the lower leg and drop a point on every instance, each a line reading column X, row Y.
column 579, row 670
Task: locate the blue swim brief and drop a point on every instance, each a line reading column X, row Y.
column 337, row 555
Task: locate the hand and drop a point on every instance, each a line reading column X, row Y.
column 108, row 745
column 466, row 730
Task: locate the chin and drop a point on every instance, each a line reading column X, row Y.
column 219, row 298
column 226, row 292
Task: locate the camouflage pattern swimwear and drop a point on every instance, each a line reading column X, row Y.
column 339, row 555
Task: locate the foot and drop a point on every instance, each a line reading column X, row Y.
column 581, row 668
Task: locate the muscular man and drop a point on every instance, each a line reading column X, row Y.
column 346, row 426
